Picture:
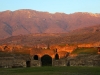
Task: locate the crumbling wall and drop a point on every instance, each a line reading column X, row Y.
column 84, row 60
column 35, row 63
column 60, row 62
column 11, row 62
column 18, row 63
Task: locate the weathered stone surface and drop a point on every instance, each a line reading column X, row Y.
column 11, row 62
column 35, row 63
column 60, row 62
column 85, row 60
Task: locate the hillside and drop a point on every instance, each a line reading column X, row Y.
column 22, row 22
column 84, row 30
column 84, row 35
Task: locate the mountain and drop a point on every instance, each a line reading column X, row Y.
column 26, row 21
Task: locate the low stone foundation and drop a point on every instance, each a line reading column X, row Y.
column 85, row 60
column 80, row 60
column 12, row 63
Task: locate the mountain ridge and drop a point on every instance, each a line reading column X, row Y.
column 26, row 21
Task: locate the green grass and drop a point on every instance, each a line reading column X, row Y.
column 85, row 51
column 51, row 71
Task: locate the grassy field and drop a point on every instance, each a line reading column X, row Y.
column 51, row 71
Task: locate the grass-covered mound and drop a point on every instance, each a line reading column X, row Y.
column 85, row 50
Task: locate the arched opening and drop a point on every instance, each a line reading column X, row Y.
column 35, row 57
column 56, row 57
column 46, row 60
column 68, row 63
column 28, row 63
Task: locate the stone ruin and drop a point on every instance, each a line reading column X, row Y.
column 35, row 57
column 46, row 57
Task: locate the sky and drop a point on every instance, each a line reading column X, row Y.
column 52, row 6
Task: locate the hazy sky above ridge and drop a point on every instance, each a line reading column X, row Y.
column 52, row 6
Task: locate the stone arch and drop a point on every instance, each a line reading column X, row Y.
column 46, row 60
column 35, row 57
column 56, row 57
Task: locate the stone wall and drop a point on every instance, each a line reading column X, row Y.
column 85, row 60
column 10, row 62
column 60, row 62
column 79, row 60
column 35, row 63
